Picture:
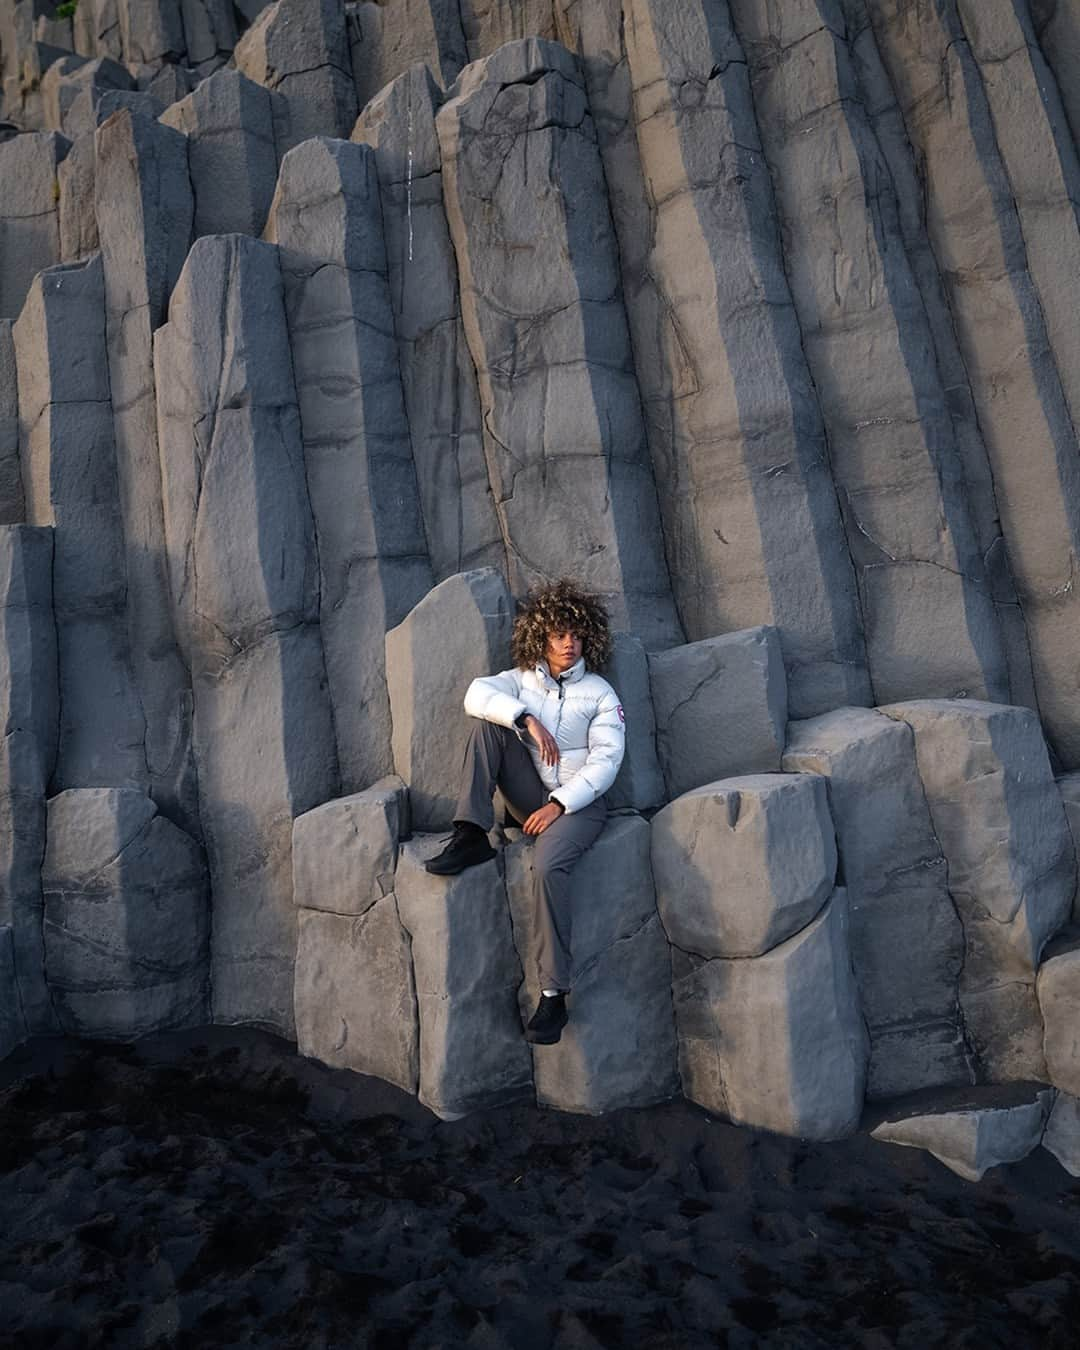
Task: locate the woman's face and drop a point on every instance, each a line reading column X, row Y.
column 561, row 651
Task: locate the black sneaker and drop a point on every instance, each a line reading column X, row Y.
column 468, row 846
column 546, row 1023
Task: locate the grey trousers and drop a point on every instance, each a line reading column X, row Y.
column 496, row 758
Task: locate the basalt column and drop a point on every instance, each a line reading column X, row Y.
column 979, row 243
column 244, row 577
column 437, row 372
column 543, row 311
column 144, row 211
column 751, row 516
column 372, row 552
column 928, row 613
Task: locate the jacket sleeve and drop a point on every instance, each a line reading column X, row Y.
column 495, row 698
column 607, row 742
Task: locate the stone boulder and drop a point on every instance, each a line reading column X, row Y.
column 639, row 784
column 345, row 851
column 987, row 1130
column 355, row 1000
column 619, row 1046
column 29, row 214
column 1012, row 871
column 232, row 155
column 743, row 864
column 472, row 1050
column 127, row 916
column 460, row 630
column 1058, row 988
column 907, row 941
column 776, row 1041
column 720, row 706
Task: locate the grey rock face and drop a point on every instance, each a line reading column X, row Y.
column 743, row 864
column 78, row 216
column 299, row 48
column 73, row 88
column 1058, row 987
column 144, row 211
column 907, row 941
column 472, row 1053
column 639, row 784
column 232, row 156
column 619, row 1047
column 460, row 630
column 12, row 507
column 126, row 916
column 543, row 312
column 930, row 623
column 11, row 1024
column 488, row 24
column 751, row 522
column 386, row 40
column 209, row 32
column 360, row 475
column 355, row 998
column 777, row 1041
column 29, row 216
column 30, row 715
column 1011, row 866
column 437, row 373
column 1062, row 1134
column 997, row 310
column 721, row 708
column 151, row 31
column 1069, row 787
column 970, row 1141
column 345, row 851
column 69, row 473
column 1057, row 24
column 244, row 576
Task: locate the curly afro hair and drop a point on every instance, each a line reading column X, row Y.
column 555, row 608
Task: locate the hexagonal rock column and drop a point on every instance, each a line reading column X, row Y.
column 721, row 708
column 778, row 1041
column 244, row 572
column 144, row 211
column 743, row 864
column 639, row 784
column 929, row 619
column 69, row 473
column 232, row 155
column 437, row 373
column 998, row 305
column 1057, row 26
column 127, row 916
column 458, row 631
column 1069, row 787
column 151, row 31
column 209, row 33
column 750, row 511
column 619, row 1046
column 355, row 999
column 907, row 942
column 300, row 49
column 30, row 715
column 1062, row 1134
column 72, row 88
column 541, row 299
column 1011, row 865
column 1058, row 988
column 12, row 506
column 29, row 216
column 361, row 481
column 387, row 40
column 472, row 1052
column 988, row 1129
column 12, row 1027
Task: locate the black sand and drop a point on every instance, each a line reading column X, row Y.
column 212, row 1189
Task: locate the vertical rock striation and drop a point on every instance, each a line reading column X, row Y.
column 373, row 560
column 244, row 576
column 29, row 214
column 543, row 313
column 12, row 505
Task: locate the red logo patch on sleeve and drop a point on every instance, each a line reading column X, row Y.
column 622, row 715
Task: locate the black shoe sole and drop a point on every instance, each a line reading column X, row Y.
column 540, row 1038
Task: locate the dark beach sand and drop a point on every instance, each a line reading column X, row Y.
column 212, row 1189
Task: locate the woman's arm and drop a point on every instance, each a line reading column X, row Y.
column 607, row 743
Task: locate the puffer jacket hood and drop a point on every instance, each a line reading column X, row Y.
column 581, row 711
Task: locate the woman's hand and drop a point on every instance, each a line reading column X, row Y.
column 539, row 821
column 543, row 740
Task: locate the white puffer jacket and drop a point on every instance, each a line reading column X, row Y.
column 581, row 711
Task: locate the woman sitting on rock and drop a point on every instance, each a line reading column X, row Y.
column 550, row 735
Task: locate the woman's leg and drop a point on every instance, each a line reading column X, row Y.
column 494, row 757
column 556, row 852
